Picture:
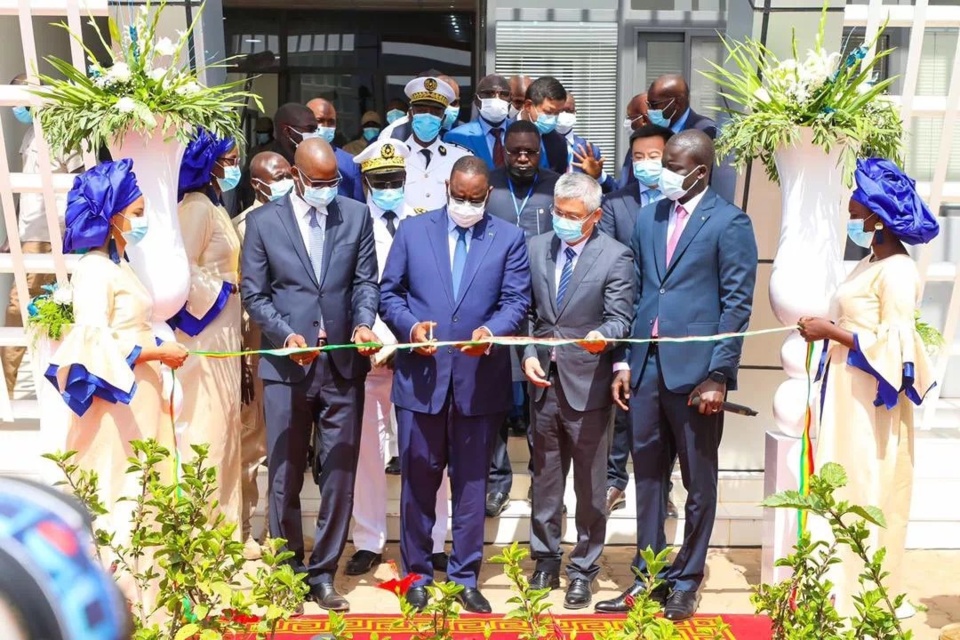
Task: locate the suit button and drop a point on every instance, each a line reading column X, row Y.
column 449, row 349
column 456, row 319
column 651, row 323
column 662, row 291
column 316, row 324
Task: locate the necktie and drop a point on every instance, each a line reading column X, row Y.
column 671, row 247
column 565, row 275
column 652, row 195
column 497, row 146
column 426, row 154
column 390, row 218
column 316, row 243
column 459, row 260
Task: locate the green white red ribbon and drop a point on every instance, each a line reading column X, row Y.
column 806, row 445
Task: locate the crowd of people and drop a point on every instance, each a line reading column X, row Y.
column 449, row 236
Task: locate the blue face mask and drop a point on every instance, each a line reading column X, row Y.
column 387, row 199
column 450, row 117
column 138, row 229
column 569, row 231
column 326, row 133
column 546, row 123
column 647, row 172
column 859, row 235
column 319, row 197
column 279, row 188
column 394, row 115
column 370, row 133
column 263, row 138
column 426, row 126
column 655, row 116
column 23, row 115
column 230, row 179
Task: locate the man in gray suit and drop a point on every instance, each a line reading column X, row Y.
column 583, row 287
column 310, row 277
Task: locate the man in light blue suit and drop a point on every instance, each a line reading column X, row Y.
column 696, row 260
column 452, row 274
column 484, row 136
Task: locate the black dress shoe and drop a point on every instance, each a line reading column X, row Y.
column 496, row 503
column 681, row 605
column 418, row 597
column 473, row 601
column 440, row 561
column 327, row 597
column 579, row 594
column 393, row 467
column 362, row 562
column 622, row 603
column 544, row 580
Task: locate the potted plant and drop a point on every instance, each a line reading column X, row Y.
column 806, row 119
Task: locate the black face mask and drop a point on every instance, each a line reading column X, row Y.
column 522, row 174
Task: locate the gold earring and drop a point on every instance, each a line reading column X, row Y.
column 878, row 226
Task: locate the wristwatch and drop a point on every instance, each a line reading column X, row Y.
column 717, row 377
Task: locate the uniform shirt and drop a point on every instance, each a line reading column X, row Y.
column 425, row 188
column 33, row 219
column 382, row 242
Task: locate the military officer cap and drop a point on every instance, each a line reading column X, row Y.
column 382, row 156
column 430, row 90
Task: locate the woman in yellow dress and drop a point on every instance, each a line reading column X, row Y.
column 210, row 320
column 876, row 369
column 108, row 367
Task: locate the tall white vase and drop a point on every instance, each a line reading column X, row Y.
column 809, row 263
column 160, row 259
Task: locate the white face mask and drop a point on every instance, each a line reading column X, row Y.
column 671, row 184
column 465, row 214
column 494, row 110
column 566, row 121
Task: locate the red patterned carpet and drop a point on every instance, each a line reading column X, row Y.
column 742, row 627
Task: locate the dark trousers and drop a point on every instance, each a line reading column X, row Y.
column 428, row 444
column 335, row 405
column 664, row 427
column 620, row 446
column 562, row 436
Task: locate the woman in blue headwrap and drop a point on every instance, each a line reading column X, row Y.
column 211, row 319
column 876, row 367
column 108, row 366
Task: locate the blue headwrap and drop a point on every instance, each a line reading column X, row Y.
column 891, row 194
column 97, row 196
column 196, row 168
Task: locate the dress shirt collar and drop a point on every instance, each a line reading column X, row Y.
column 301, row 209
column 644, row 189
column 416, row 147
column 486, row 127
column 678, row 125
column 690, row 205
column 378, row 212
column 577, row 248
column 452, row 226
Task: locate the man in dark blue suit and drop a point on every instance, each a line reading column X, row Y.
column 696, row 258
column 544, row 101
column 485, row 135
column 326, row 117
column 452, row 274
column 309, row 277
column 582, row 156
column 668, row 105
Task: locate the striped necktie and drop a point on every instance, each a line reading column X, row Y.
column 565, row 275
column 316, row 242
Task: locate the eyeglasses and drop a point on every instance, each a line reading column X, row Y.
column 467, row 201
column 660, row 104
column 569, row 216
column 493, row 93
column 307, row 181
column 519, row 153
column 385, row 183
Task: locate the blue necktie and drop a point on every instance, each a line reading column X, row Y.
column 565, row 275
column 316, row 243
column 459, row 260
column 652, row 196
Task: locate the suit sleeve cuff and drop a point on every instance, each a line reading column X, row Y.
column 490, row 333
column 621, row 366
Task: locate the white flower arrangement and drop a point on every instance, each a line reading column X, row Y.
column 51, row 313
column 145, row 82
column 839, row 99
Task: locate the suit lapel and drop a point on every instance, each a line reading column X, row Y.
column 584, row 263
column 330, row 236
column 697, row 219
column 661, row 219
column 289, row 221
column 551, row 260
column 441, row 251
column 484, row 147
column 479, row 245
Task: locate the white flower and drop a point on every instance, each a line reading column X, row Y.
column 63, row 296
column 165, row 47
column 126, row 104
column 188, row 88
column 158, row 74
column 762, row 95
column 119, row 72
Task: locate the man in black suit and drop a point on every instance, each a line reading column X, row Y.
column 542, row 106
column 310, row 277
column 521, row 194
column 668, row 105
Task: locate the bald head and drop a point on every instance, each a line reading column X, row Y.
column 290, row 122
column 518, row 90
column 690, row 154
column 495, row 83
column 453, row 85
column 265, row 169
column 315, row 162
column 670, row 94
column 324, row 112
column 637, row 111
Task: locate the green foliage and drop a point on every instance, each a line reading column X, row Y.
column 51, row 313
column 932, row 339
column 801, row 607
column 840, row 101
column 433, row 623
column 147, row 86
column 531, row 605
column 198, row 569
